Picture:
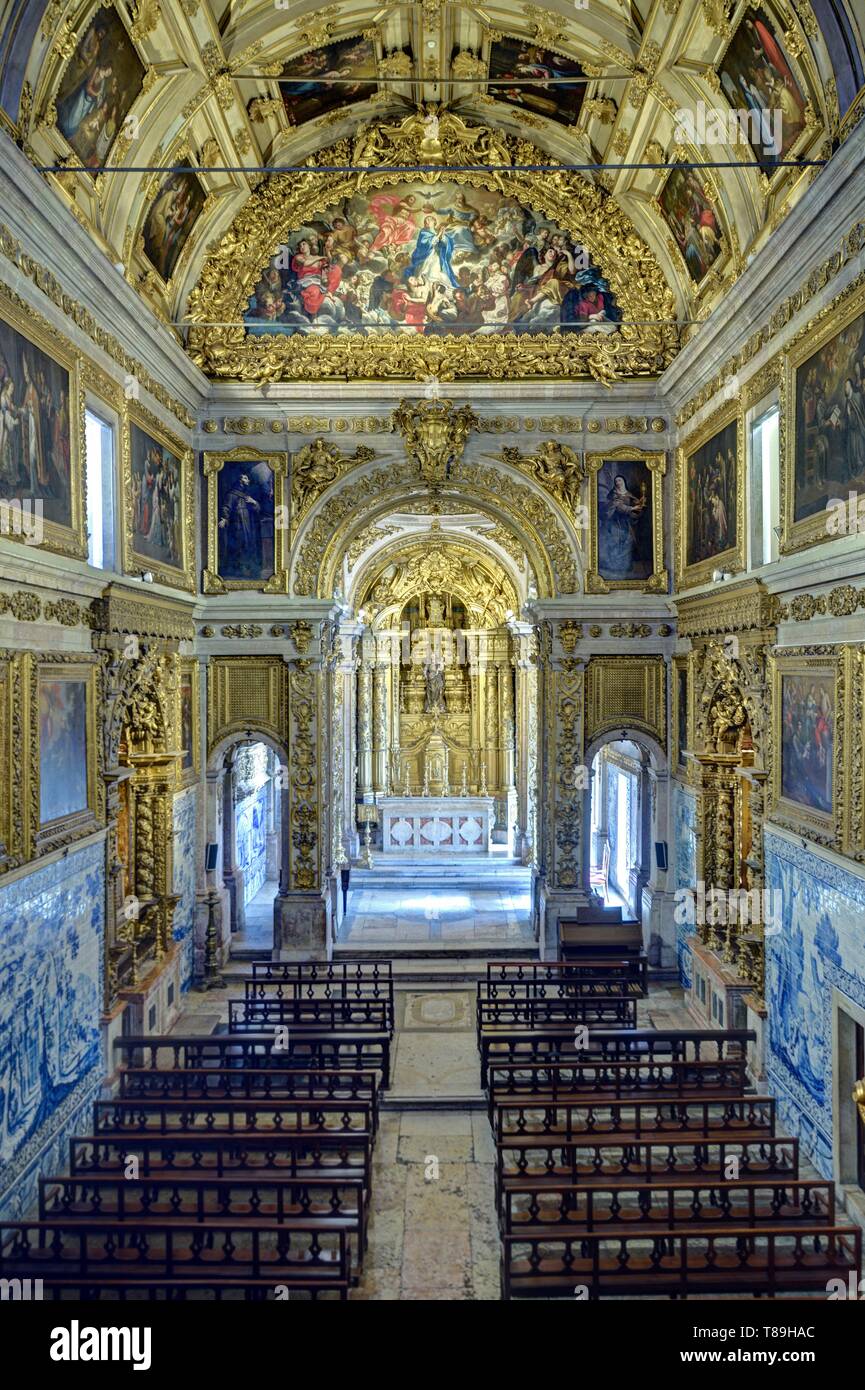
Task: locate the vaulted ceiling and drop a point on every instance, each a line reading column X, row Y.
column 228, row 87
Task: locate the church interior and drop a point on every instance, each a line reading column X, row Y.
column 432, row 650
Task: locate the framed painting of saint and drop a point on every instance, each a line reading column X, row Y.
column 807, row 734
column 100, row 85
column 520, row 73
column 710, row 499
column 171, row 219
column 66, row 798
column 158, row 502
column 758, row 81
column 41, row 418
column 307, row 84
column 824, row 459
column 626, row 547
column 692, row 220
column 247, row 521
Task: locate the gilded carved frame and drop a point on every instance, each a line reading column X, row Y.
column 188, row 776
column 658, row 581
column 823, row 828
column 133, row 563
column 828, row 324
column 681, row 664
column 213, row 464
column 803, row 67
column 218, row 340
column 41, row 837
column 733, row 558
column 63, row 540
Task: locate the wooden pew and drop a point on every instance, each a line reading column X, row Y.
column 560, row 987
column 257, row 1047
column 231, row 1117
column 335, row 1205
column 633, row 969
column 749, row 1117
column 560, row 1082
column 583, row 1159
column 258, row 1083
column 329, row 1154
column 680, row 1264
column 342, row 979
column 593, row 1206
column 531, row 1015
column 110, row 1255
column 333, row 1014
column 560, row 1044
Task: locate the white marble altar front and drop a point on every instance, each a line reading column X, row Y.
column 437, row 824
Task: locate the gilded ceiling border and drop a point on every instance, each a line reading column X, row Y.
column 577, row 206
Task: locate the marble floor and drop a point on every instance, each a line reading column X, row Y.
column 460, row 914
column 257, row 933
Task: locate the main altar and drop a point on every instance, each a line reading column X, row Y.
column 436, row 719
column 437, row 824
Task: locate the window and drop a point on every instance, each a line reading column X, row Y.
column 765, row 490
column 99, row 444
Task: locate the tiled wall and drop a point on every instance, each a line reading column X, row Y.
column 685, row 867
column 51, row 961
column 251, row 816
column 185, row 850
column 821, row 946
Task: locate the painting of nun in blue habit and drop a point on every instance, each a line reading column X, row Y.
column 624, row 520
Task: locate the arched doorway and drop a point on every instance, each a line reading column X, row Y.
column 626, row 811
column 246, row 784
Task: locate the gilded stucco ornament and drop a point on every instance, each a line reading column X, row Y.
column 218, row 340
column 558, row 468
column 435, row 434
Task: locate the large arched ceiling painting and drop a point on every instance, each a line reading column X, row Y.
column 159, row 121
column 370, row 275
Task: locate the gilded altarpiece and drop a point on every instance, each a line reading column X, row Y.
column 731, row 636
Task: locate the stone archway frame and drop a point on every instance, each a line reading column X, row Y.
column 659, row 787
column 352, row 502
column 218, row 341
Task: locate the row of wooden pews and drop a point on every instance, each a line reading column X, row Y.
column 231, row 1166
column 635, row 1162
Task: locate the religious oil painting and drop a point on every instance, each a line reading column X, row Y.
column 830, row 422
column 324, row 79
column 63, row 786
column 808, row 740
column 100, row 84
column 36, row 430
column 157, row 499
column 711, row 481
column 624, row 501
column 170, row 221
column 536, row 79
column 692, row 220
column 247, row 521
column 431, row 259
column 759, row 84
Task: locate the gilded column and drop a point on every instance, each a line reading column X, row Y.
column 380, row 741
column 364, row 724
column 506, row 688
column 476, row 725
column 491, row 732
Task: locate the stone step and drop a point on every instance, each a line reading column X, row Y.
column 389, row 1101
